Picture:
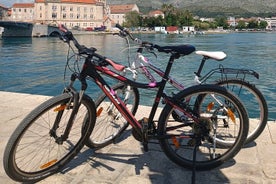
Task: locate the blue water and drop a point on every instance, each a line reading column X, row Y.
column 36, row 65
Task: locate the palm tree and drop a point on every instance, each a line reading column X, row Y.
column 168, row 9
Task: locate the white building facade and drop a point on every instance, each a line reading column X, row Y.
column 271, row 23
column 71, row 13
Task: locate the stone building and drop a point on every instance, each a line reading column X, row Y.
column 4, row 12
column 271, row 23
column 71, row 13
column 23, row 12
column 118, row 12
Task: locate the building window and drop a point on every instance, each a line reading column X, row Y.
column 40, row 8
column 71, row 8
column 40, row 15
column 14, row 10
column 63, row 8
column 78, row 16
column 78, row 9
column 71, row 15
column 25, row 10
column 54, row 15
column 54, row 7
column 64, row 15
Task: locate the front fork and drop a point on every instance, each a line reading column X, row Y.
column 74, row 104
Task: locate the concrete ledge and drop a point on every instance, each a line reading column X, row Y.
column 126, row 163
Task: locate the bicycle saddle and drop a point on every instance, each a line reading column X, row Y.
column 219, row 56
column 180, row 49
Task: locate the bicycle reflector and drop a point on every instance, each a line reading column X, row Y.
column 175, row 142
column 60, row 108
column 48, row 164
column 231, row 115
column 210, row 106
column 99, row 111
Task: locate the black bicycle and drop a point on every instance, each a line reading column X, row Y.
column 53, row 133
column 235, row 80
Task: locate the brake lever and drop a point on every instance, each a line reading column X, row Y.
column 64, row 38
column 151, row 51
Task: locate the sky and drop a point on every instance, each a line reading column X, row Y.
column 9, row 3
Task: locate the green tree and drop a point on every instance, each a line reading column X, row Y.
column 241, row 25
column 262, row 24
column 159, row 21
column 170, row 14
column 168, row 9
column 252, row 24
column 185, row 18
column 222, row 22
column 133, row 19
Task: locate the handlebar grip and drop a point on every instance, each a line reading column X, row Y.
column 62, row 28
column 125, row 31
column 120, row 27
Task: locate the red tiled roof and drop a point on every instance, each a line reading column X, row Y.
column 72, row 1
column 156, row 12
column 80, row 1
column 121, row 8
column 23, row 5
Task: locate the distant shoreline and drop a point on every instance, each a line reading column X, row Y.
column 185, row 33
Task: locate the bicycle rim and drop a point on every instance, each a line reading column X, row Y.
column 110, row 123
column 32, row 153
column 210, row 152
column 253, row 101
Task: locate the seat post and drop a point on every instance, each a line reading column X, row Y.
column 198, row 73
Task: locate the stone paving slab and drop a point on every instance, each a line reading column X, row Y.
column 126, row 163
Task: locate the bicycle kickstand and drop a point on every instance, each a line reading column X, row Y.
column 198, row 141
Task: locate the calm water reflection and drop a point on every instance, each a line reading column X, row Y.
column 36, row 65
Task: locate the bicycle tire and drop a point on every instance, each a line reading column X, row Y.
column 252, row 99
column 32, row 154
column 110, row 124
column 180, row 149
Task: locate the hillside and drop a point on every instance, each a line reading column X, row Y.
column 211, row 7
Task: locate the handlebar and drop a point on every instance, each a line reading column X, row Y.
column 179, row 49
column 145, row 44
column 68, row 36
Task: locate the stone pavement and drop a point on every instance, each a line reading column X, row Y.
column 126, row 163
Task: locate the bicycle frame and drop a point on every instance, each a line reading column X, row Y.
column 141, row 60
column 92, row 71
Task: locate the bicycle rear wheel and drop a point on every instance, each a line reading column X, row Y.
column 110, row 123
column 180, row 139
column 253, row 101
column 36, row 149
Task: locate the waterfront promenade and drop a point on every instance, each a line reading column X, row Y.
column 125, row 162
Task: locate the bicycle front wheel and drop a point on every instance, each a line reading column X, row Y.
column 253, row 101
column 37, row 147
column 110, row 123
column 192, row 139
